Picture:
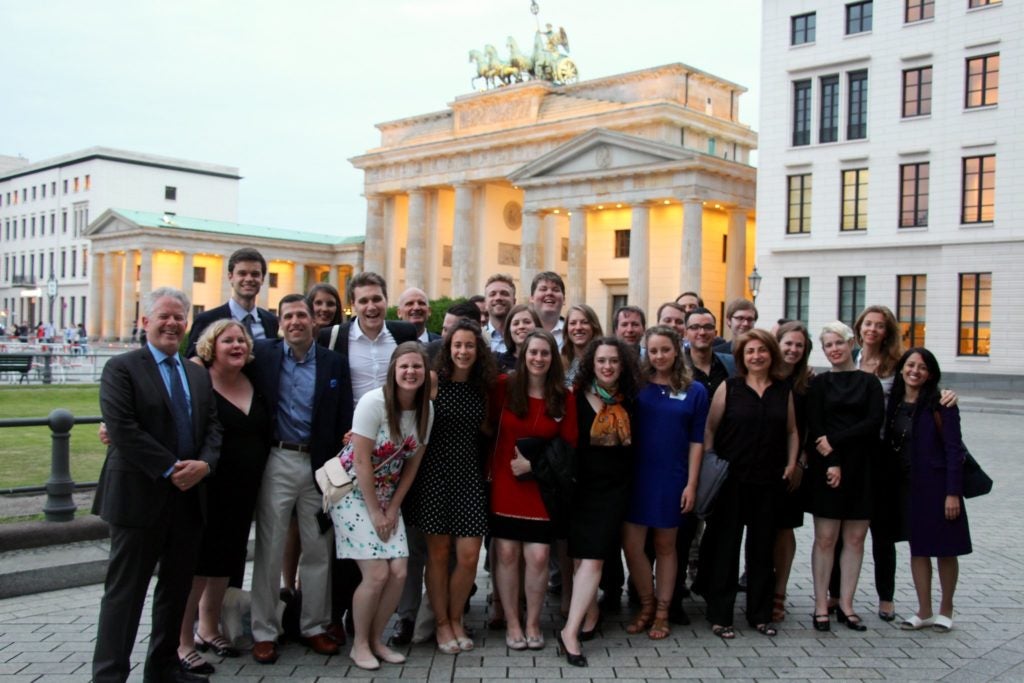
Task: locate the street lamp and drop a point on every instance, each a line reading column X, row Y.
column 754, row 282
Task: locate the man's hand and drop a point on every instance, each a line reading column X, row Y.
column 188, row 473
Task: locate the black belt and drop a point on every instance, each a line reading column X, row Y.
column 289, row 446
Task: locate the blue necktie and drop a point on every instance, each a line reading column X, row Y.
column 179, row 406
column 248, row 320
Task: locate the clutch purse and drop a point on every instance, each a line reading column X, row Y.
column 334, row 481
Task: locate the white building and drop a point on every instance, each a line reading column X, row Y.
column 45, row 207
column 890, row 171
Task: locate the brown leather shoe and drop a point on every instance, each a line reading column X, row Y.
column 322, row 644
column 337, row 633
column 265, row 652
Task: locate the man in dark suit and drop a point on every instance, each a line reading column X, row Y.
column 414, row 307
column 310, row 394
column 246, row 270
column 161, row 419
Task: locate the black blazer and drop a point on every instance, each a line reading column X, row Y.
column 399, row 329
column 206, row 318
column 332, row 396
column 143, row 441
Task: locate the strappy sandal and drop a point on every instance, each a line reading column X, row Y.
column 779, row 608
column 767, row 630
column 219, row 644
column 723, row 632
column 644, row 617
column 660, row 630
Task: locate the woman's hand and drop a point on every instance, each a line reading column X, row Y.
column 823, row 446
column 689, row 498
column 833, row 475
column 947, row 398
column 103, row 434
column 793, row 474
column 952, row 507
column 381, row 525
column 520, row 465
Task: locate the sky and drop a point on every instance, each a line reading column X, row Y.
column 288, row 92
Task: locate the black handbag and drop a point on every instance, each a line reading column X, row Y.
column 976, row 482
column 713, row 473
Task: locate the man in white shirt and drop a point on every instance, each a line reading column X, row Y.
column 499, row 297
column 547, row 294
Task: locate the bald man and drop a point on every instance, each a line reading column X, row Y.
column 414, row 307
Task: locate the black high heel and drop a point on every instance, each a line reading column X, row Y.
column 589, row 635
column 820, row 625
column 573, row 659
column 851, row 620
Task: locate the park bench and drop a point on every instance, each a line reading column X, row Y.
column 16, row 362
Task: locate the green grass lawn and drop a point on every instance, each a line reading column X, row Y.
column 25, row 451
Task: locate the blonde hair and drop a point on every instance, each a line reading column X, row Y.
column 208, row 340
column 838, row 328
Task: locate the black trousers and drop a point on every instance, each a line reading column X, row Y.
column 740, row 505
column 134, row 554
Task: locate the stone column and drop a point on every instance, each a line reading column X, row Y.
column 109, row 315
column 690, row 264
column 128, row 283
column 187, row 278
column 432, row 255
column 373, row 247
column 639, row 256
column 529, row 251
column 146, row 273
column 552, row 247
column 577, row 284
column 225, row 284
column 736, row 256
column 464, row 253
column 416, row 240
column 97, row 287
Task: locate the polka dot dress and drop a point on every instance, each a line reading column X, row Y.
column 449, row 494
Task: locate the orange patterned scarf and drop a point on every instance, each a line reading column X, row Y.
column 611, row 424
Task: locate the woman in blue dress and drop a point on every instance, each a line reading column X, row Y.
column 668, row 443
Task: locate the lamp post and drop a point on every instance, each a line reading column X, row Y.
column 754, row 282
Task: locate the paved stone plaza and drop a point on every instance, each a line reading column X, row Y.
column 49, row 636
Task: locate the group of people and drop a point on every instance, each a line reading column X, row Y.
column 534, row 435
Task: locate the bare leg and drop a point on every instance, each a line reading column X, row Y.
column 584, row 596
column 507, row 580
column 949, row 572
column 365, row 601
column 389, row 597
column 438, row 551
column 537, row 556
column 921, row 570
column 186, row 641
column 210, row 604
column 826, row 531
column 850, row 560
column 666, row 564
column 467, row 556
column 640, row 573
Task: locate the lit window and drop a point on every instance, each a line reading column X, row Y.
column 76, row 183
column 914, row 195
column 802, row 113
column 828, row 127
column 918, row 10
column 858, row 17
column 917, row 91
column 978, row 204
column 855, row 200
column 272, row 280
column 798, row 297
column 802, row 29
column 982, row 81
column 975, row 316
column 798, row 213
column 857, row 118
column 851, row 298
column 982, row 3
column 88, row 182
column 911, row 308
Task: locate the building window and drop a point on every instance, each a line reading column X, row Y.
column 910, row 308
column 802, row 112
column 917, row 91
column 798, row 213
column 88, row 182
column 74, row 262
column 857, row 119
column 34, row 189
column 858, row 17
column 975, row 318
column 979, row 193
column 982, row 81
column 798, row 297
column 272, row 280
column 170, row 192
column 63, row 262
column 199, row 274
column 914, row 195
column 802, row 29
column 982, row 3
column 622, row 244
column 918, row 10
column 855, row 200
column 76, row 183
column 828, row 127
column 851, row 298
column 64, row 221
column 65, row 186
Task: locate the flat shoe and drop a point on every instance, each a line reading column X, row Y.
column 767, row 630
column 943, row 624
column 535, row 642
column 450, row 648
column 915, row 623
column 465, row 644
column 390, row 656
column 723, row 632
column 369, row 664
column 886, row 616
column 195, row 664
column 219, row 644
column 517, row 644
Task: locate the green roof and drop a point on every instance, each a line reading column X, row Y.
column 156, row 220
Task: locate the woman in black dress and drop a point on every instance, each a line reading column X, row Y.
column 845, row 409
column 752, row 426
column 606, row 385
column 448, row 499
column 225, row 348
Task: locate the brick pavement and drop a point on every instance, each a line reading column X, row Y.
column 49, row 636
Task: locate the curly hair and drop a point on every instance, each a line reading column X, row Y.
column 891, row 348
column 206, row 346
column 484, row 370
column 629, row 375
column 554, row 382
column 680, row 374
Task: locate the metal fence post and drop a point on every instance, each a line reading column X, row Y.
column 60, row 506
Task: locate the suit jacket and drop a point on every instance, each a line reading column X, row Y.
column 432, row 336
column 332, row 395
column 143, row 441
column 206, row 318
column 399, row 329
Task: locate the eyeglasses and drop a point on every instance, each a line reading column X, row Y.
column 744, row 319
column 701, row 328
